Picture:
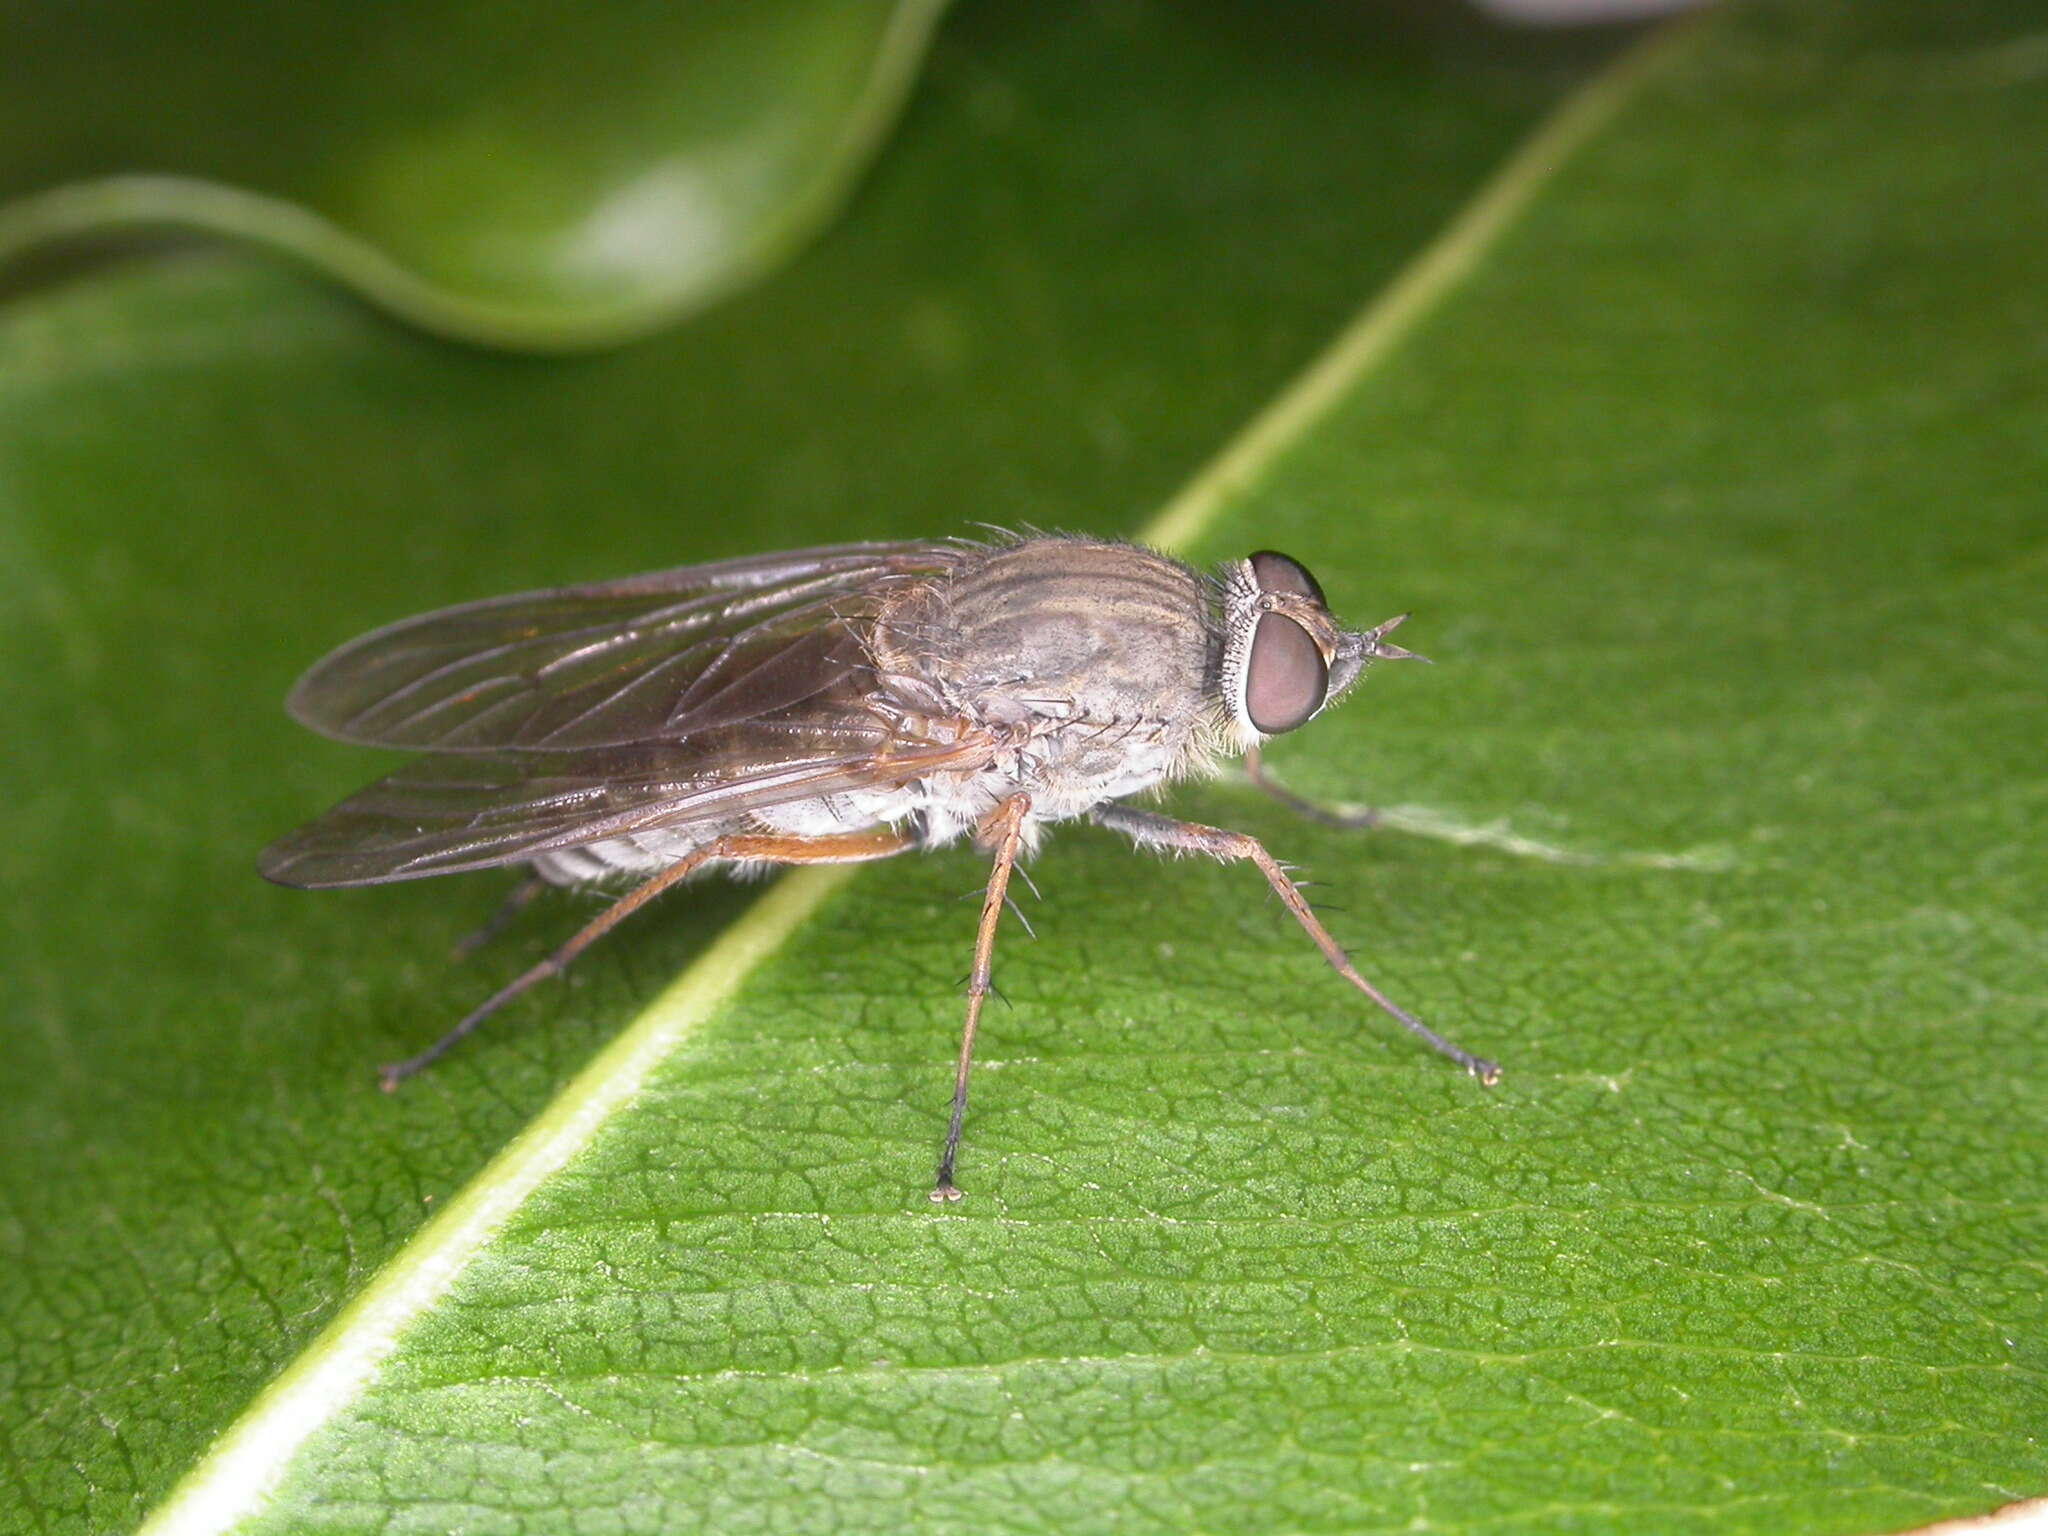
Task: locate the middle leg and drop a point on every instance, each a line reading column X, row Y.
column 1002, row 833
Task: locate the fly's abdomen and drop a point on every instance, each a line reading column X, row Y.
column 633, row 857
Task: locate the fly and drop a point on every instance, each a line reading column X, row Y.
column 824, row 706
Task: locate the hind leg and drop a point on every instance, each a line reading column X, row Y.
column 841, row 848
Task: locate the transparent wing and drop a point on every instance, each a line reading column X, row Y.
column 649, row 658
column 446, row 813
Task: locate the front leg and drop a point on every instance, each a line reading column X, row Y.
column 1149, row 829
column 1329, row 815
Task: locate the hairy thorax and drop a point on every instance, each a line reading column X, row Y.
column 1087, row 661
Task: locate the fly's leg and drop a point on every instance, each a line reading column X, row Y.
column 1148, row 829
column 842, row 848
column 516, row 901
column 1328, row 815
column 1002, row 833
column 391, row 1075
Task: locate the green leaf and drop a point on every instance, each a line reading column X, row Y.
column 1102, row 242
column 1749, row 1240
column 538, row 177
column 1714, row 482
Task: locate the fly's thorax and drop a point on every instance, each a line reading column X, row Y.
column 1056, row 630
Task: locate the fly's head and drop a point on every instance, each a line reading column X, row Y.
column 1284, row 657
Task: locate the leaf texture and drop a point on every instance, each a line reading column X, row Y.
column 1748, row 1239
column 211, row 470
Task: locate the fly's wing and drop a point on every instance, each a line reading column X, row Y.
column 649, row 658
column 442, row 814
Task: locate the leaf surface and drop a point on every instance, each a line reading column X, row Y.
column 211, row 470
column 1749, row 1238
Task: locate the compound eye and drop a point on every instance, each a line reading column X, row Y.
column 1276, row 572
column 1285, row 677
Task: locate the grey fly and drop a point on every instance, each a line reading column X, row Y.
column 827, row 705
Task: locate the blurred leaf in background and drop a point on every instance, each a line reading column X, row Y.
column 523, row 175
